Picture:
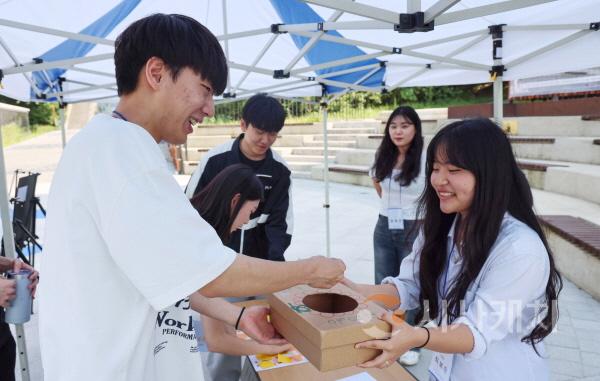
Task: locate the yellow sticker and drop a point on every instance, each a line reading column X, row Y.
column 283, row 359
column 266, row 364
column 264, row 357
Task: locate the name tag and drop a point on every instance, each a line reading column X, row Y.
column 395, row 220
column 440, row 366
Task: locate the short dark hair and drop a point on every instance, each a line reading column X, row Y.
column 213, row 203
column 180, row 41
column 264, row 112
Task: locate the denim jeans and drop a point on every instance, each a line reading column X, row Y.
column 391, row 247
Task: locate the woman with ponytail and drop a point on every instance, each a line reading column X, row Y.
column 481, row 268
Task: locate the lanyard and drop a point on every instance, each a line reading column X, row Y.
column 118, row 115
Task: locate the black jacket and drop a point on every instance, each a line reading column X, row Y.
column 270, row 231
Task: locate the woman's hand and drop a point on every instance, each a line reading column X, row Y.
column 265, row 349
column 403, row 338
column 255, row 324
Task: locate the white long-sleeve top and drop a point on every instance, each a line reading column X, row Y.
column 405, row 197
column 500, row 305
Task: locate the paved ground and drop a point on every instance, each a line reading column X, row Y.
column 573, row 349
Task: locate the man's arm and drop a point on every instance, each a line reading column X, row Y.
column 248, row 276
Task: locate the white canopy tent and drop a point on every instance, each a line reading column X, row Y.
column 299, row 48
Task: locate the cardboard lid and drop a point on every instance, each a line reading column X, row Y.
column 331, row 318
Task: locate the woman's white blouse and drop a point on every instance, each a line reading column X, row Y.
column 404, row 197
column 501, row 305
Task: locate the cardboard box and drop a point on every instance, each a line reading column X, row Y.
column 326, row 324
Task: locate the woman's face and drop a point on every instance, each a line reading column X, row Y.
column 244, row 214
column 402, row 132
column 455, row 187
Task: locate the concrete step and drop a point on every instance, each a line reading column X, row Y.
column 567, row 149
column 553, row 126
column 333, row 143
column 580, row 181
column 234, row 129
column 189, row 167
column 364, row 157
column 316, row 151
column 353, row 130
column 194, row 154
column 353, row 174
column 301, row 174
column 302, row 166
column 306, row 158
column 197, row 141
column 358, row 124
column 334, row 137
column 424, row 114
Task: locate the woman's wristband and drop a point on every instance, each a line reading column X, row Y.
column 237, row 323
column 426, row 341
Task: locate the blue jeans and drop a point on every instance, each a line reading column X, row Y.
column 391, row 247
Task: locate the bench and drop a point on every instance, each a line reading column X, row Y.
column 532, row 140
column 349, row 170
column 580, row 232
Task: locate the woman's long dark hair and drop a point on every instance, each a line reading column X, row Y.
column 387, row 153
column 214, row 201
column 480, row 147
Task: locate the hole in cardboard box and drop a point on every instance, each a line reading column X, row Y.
column 330, row 303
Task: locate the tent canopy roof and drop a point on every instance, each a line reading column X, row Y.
column 341, row 45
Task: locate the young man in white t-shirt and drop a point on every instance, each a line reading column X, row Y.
column 122, row 240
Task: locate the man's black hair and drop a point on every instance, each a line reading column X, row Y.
column 180, row 41
column 264, row 112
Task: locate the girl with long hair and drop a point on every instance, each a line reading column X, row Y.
column 227, row 203
column 481, row 267
column 398, row 178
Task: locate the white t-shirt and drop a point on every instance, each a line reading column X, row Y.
column 176, row 350
column 499, row 306
column 401, row 197
column 122, row 242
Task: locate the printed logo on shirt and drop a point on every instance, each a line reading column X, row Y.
column 175, row 323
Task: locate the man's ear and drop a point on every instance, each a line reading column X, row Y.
column 154, row 72
column 243, row 125
column 234, row 201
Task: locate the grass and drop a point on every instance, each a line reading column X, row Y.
column 13, row 133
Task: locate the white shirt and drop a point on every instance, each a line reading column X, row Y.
column 498, row 304
column 403, row 197
column 176, row 350
column 122, row 242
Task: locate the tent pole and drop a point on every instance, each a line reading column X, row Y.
column 498, row 100
column 62, row 121
column 9, row 249
column 497, row 33
column 326, row 178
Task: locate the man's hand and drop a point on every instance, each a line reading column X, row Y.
column 327, row 272
column 8, row 291
column 254, row 323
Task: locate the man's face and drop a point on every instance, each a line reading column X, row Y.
column 186, row 102
column 257, row 141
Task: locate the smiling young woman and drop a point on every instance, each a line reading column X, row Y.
column 481, row 266
column 398, row 178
